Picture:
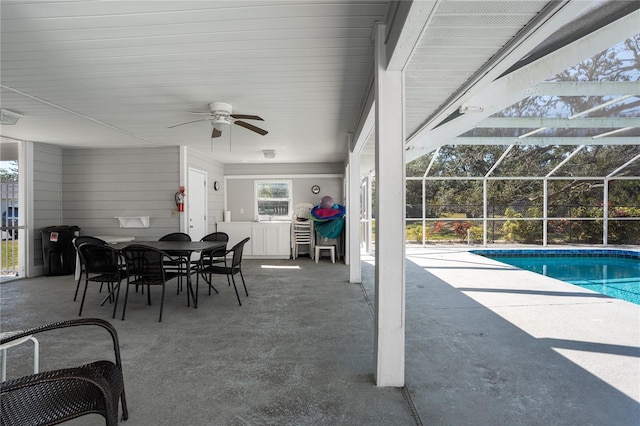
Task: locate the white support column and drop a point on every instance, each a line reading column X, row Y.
column 389, row 339
column 485, row 211
column 545, row 211
column 369, row 237
column 184, row 178
column 605, row 214
column 353, row 218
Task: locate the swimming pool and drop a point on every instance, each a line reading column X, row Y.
column 615, row 273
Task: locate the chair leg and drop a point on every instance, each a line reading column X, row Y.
column 115, row 306
column 161, row 304
column 235, row 288
column 126, row 296
column 75, row 296
column 84, row 293
column 245, row 286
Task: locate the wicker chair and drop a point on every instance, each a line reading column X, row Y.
column 229, row 271
column 146, row 267
column 102, row 264
column 77, row 242
column 53, row 397
column 209, row 257
column 179, row 261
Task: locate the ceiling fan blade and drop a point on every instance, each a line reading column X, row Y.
column 215, row 133
column 247, row 117
column 251, row 127
column 188, row 122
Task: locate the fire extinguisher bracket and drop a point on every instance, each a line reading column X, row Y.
column 133, row 221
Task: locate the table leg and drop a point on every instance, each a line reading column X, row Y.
column 190, row 292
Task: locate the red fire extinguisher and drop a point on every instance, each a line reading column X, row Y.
column 180, row 196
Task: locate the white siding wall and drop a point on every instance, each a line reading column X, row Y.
column 206, row 162
column 47, row 197
column 100, row 184
column 240, row 190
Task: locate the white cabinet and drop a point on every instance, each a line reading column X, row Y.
column 237, row 232
column 269, row 240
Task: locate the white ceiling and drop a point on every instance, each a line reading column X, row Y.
column 119, row 73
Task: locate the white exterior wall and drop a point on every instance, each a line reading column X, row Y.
column 100, row 184
column 47, row 200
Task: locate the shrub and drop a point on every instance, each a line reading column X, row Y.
column 414, row 232
column 524, row 231
column 460, row 228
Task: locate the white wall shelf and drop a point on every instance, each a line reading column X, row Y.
column 133, row 221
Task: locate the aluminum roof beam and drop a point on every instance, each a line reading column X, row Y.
column 547, row 141
column 559, row 123
column 519, row 84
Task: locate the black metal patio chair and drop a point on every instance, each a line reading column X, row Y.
column 146, row 267
column 180, row 261
column 229, row 270
column 102, row 264
column 77, row 241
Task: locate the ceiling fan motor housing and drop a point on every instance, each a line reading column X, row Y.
column 221, row 112
column 220, row 108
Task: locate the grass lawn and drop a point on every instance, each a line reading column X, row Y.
column 9, row 255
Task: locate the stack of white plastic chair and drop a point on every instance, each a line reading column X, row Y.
column 301, row 229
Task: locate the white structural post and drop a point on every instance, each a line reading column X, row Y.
column 369, row 201
column 605, row 214
column 485, row 211
column 545, row 211
column 390, row 220
column 353, row 217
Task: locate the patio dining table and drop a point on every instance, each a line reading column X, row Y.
column 175, row 247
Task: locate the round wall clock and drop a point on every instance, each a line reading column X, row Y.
column 216, row 185
column 315, row 189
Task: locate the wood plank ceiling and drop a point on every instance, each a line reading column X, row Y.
column 119, row 73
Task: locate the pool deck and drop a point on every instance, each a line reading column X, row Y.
column 504, row 343
column 486, row 345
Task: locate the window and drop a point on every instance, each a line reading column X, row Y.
column 273, row 199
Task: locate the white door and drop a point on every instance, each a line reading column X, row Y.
column 197, row 203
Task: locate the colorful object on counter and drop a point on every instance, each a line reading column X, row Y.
column 327, row 202
column 328, row 217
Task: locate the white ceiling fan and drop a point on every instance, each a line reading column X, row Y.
column 222, row 113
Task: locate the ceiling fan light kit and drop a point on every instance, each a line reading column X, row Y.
column 269, row 154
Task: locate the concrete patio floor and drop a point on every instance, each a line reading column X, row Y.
column 485, row 345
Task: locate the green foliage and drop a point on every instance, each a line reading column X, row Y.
column 622, row 231
column 9, row 255
column 476, row 233
column 523, row 231
column 10, row 174
column 414, row 233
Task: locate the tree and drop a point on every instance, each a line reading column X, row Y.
column 619, row 63
column 9, row 174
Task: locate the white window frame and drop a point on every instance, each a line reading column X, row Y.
column 289, row 200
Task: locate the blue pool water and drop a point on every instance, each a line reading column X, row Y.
column 615, row 273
